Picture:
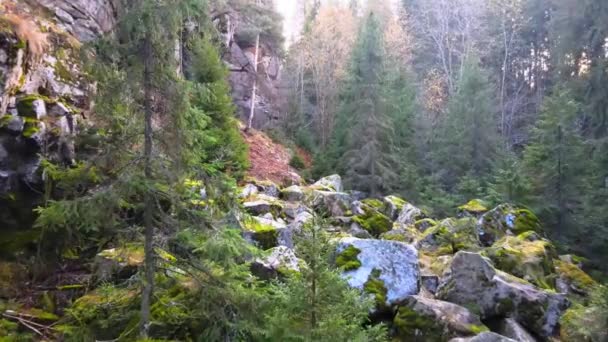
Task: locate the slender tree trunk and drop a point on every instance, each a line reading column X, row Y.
column 148, row 287
column 255, row 83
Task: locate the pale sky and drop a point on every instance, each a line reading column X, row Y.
column 287, row 8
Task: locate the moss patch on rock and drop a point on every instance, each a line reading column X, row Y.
column 475, row 206
column 375, row 286
column 265, row 236
column 374, row 222
column 529, row 260
column 347, row 260
column 575, row 276
column 412, row 326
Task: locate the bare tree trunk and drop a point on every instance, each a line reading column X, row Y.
column 148, row 287
column 255, row 83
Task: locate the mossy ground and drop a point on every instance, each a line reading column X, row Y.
column 412, row 326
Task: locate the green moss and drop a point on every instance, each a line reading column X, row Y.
column 525, row 221
column 412, row 326
column 575, row 275
column 347, row 260
column 21, row 44
column 30, row 128
column 374, row 203
column 265, row 235
column 374, row 222
column 5, row 120
column 530, row 260
column 425, row 224
column 396, row 201
column 477, row 329
column 25, row 105
column 375, row 286
column 475, row 206
column 63, row 72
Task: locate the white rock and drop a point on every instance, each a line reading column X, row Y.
column 396, row 261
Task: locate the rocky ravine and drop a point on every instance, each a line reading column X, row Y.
column 486, row 275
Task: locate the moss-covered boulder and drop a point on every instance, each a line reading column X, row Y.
column 293, row 193
column 424, row 224
column 392, row 263
column 450, row 236
column 103, row 314
column 329, row 183
column 530, row 259
column 392, row 206
column 474, row 283
column 328, row 203
column 12, row 276
column 425, row 319
column 473, row 208
column 410, row 214
column 403, row 234
column 118, row 263
column 261, row 232
column 262, row 204
column 571, row 279
column 373, row 220
column 506, row 219
column 278, row 261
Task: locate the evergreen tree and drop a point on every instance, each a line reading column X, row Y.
column 317, row 304
column 466, row 143
column 553, row 161
column 362, row 147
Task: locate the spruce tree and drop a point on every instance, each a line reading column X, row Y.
column 553, row 161
column 316, row 304
column 363, row 139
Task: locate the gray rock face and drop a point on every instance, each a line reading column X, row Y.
column 293, row 193
column 333, row 182
column 509, row 327
column 454, row 319
column 473, row 282
column 249, row 190
column 410, row 214
column 330, row 203
column 86, row 19
column 279, row 259
column 484, row 337
column 396, row 262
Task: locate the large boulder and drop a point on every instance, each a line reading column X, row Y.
column 118, row 263
column 369, row 216
column 263, row 204
column 571, row 279
column 387, row 269
column 329, row 203
column 450, row 236
column 525, row 256
column 509, row 327
column 473, row 282
column 293, row 193
column 331, row 183
column 393, row 206
column 410, row 214
column 279, row 261
column 506, row 219
column 484, row 337
column 426, row 319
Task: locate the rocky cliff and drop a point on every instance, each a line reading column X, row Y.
column 45, row 100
